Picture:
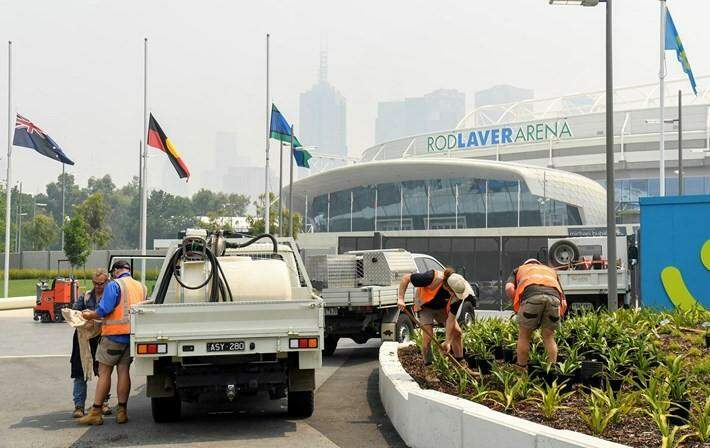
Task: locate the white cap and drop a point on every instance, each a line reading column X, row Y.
column 459, row 286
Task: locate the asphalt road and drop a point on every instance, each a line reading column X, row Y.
column 36, row 405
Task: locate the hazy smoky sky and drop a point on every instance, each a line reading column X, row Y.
column 78, row 66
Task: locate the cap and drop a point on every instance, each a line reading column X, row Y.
column 532, row 260
column 459, row 286
column 120, row 264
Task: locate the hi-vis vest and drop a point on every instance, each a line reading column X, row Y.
column 535, row 274
column 425, row 294
column 117, row 322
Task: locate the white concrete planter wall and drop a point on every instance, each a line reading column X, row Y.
column 430, row 419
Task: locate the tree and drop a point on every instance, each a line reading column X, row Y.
column 73, row 194
column 40, row 232
column 76, row 240
column 256, row 221
column 93, row 211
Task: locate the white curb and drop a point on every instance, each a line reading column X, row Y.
column 430, row 419
column 16, row 303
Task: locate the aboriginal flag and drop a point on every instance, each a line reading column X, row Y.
column 157, row 139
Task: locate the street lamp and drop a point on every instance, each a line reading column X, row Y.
column 575, row 2
column 612, row 300
column 34, row 209
column 19, row 231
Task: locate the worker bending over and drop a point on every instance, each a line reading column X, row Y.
column 539, row 302
column 437, row 297
column 114, row 349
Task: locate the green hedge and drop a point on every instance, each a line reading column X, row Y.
column 24, row 274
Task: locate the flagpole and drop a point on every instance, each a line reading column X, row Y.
column 267, row 199
column 144, row 167
column 290, row 190
column 140, row 185
column 63, row 211
column 8, row 194
column 661, row 91
column 281, row 175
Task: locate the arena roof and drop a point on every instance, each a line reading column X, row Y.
column 559, row 185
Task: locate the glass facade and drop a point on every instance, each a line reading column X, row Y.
column 628, row 192
column 437, row 204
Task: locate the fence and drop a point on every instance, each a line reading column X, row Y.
column 47, row 259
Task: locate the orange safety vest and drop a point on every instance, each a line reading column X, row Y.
column 117, row 321
column 536, row 274
column 425, row 294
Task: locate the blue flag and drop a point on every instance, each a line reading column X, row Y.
column 29, row 135
column 673, row 43
column 279, row 129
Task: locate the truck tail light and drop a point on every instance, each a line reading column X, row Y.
column 303, row 343
column 152, row 349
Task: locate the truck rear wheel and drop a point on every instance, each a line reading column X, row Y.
column 301, row 404
column 404, row 329
column 563, row 253
column 329, row 345
column 468, row 315
column 166, row 409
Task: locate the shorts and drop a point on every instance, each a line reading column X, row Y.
column 542, row 310
column 113, row 353
column 427, row 316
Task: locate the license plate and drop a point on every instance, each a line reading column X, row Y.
column 234, row 346
column 331, row 311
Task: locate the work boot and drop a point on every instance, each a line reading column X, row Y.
column 78, row 412
column 430, row 374
column 121, row 414
column 94, row 417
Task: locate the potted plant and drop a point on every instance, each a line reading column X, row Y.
column 534, row 362
column 567, row 372
column 547, row 371
column 481, row 357
column 678, row 393
column 591, row 372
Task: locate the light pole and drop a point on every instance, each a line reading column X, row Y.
column 19, row 231
column 612, row 299
column 34, row 209
column 678, row 120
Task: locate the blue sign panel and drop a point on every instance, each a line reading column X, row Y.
column 675, row 252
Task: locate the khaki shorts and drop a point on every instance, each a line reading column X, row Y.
column 427, row 316
column 112, row 353
column 541, row 310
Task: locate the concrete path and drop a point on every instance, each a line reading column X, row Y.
column 36, row 391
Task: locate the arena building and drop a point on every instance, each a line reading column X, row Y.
column 486, row 195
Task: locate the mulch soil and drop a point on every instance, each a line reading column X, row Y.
column 636, row 430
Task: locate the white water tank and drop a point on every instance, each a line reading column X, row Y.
column 257, row 279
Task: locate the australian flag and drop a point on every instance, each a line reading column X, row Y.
column 29, row 135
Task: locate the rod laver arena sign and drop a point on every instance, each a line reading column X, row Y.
column 524, row 133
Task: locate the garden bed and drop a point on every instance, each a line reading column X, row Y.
column 660, row 359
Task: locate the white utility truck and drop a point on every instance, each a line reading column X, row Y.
column 582, row 268
column 360, row 293
column 229, row 318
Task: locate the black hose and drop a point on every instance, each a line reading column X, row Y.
column 254, row 240
column 217, row 287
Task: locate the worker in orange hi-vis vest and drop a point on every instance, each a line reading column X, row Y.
column 114, row 349
column 438, row 297
column 539, row 302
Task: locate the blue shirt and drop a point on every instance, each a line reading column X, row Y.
column 109, row 301
column 86, row 301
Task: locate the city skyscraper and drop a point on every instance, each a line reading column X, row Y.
column 322, row 112
column 440, row 109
